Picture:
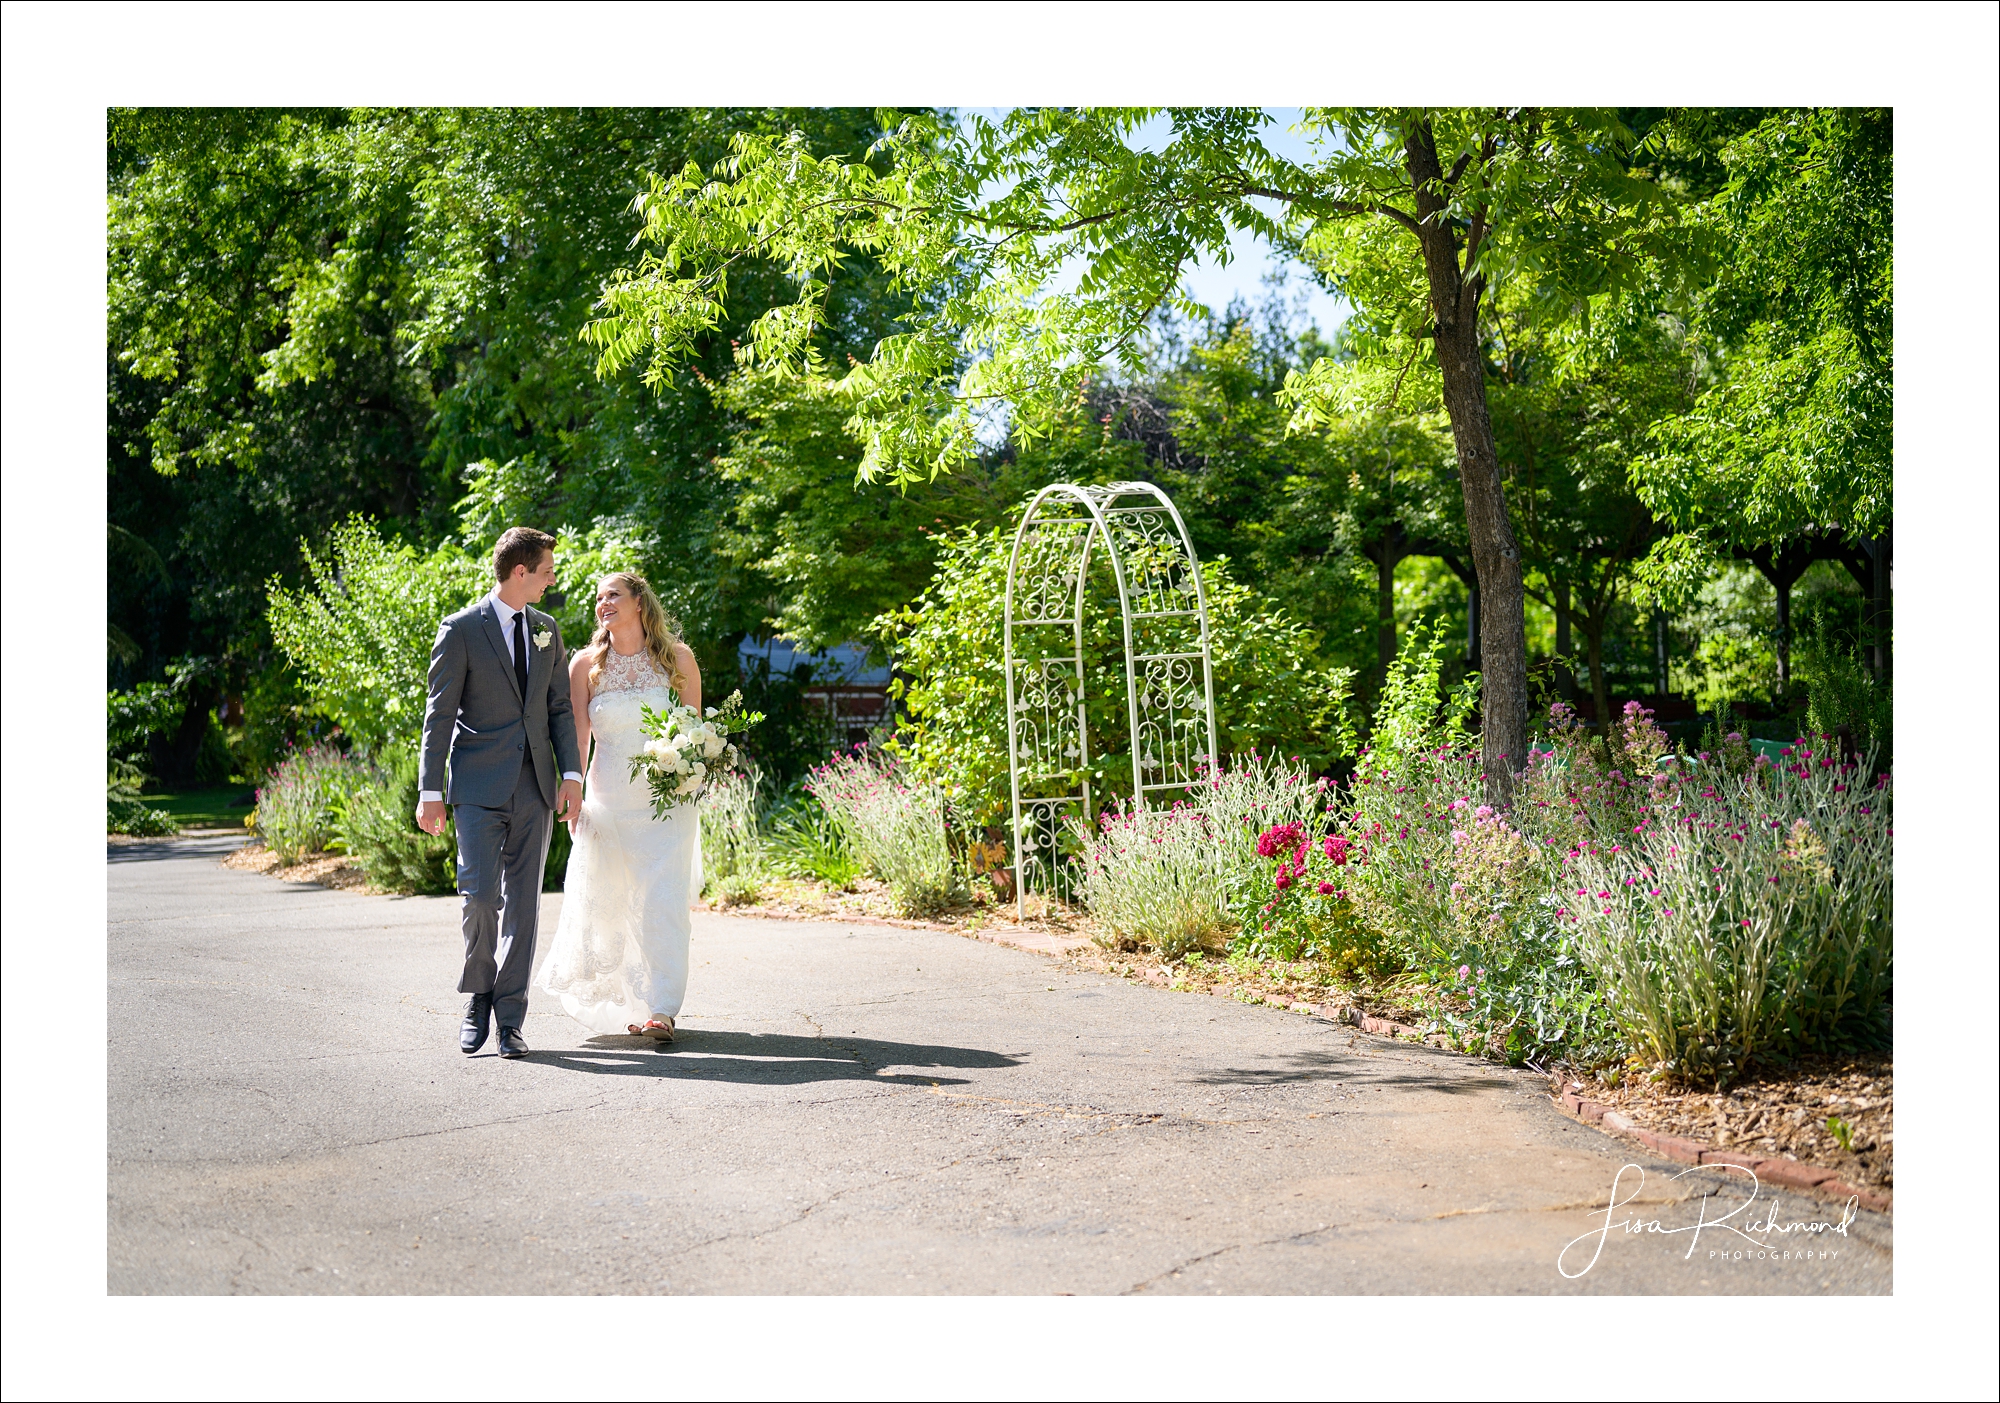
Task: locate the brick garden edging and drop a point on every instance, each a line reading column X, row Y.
column 1789, row 1173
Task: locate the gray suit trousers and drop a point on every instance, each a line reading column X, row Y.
column 501, row 852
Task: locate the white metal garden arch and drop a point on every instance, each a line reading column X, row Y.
column 1164, row 613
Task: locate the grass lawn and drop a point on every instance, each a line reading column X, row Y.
column 205, row 808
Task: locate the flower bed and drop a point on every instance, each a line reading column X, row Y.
column 1635, row 908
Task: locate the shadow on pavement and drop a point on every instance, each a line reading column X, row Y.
column 211, row 845
column 1360, row 1071
column 768, row 1059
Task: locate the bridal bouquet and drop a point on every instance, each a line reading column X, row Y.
column 688, row 750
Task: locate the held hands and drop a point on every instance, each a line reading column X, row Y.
column 430, row 816
column 569, row 803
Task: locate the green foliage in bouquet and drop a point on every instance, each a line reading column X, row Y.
column 688, row 749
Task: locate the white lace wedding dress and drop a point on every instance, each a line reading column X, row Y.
column 620, row 953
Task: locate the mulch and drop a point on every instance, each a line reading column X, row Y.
column 795, row 899
column 335, row 870
column 1779, row 1111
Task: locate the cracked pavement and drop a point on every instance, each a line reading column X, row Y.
column 850, row 1109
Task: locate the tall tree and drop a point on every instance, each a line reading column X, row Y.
column 319, row 312
column 976, row 220
column 1789, row 457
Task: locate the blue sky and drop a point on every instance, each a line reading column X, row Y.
column 1251, row 260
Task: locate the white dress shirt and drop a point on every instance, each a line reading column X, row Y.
column 506, row 613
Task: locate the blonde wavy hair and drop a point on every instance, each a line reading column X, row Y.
column 661, row 629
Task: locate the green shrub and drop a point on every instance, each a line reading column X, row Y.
column 895, row 824
column 361, row 636
column 376, row 825
column 141, row 720
column 804, row 841
column 1843, row 696
column 732, row 844
column 298, row 807
column 125, row 812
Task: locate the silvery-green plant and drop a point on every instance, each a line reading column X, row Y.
column 1751, row 918
column 1157, row 879
column 732, row 843
column 895, row 825
column 1253, row 794
column 298, row 809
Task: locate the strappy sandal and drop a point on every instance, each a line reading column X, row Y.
column 658, row 1029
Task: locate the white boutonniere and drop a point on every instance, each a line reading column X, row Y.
column 542, row 638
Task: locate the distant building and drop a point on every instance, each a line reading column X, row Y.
column 853, row 692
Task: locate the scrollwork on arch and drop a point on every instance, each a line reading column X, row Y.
column 1169, row 677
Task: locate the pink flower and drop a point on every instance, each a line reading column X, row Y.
column 1326, row 888
column 1464, row 973
column 1274, row 841
column 1336, row 850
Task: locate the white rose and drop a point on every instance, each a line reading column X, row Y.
column 692, row 784
column 712, row 743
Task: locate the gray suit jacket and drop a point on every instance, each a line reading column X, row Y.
column 478, row 718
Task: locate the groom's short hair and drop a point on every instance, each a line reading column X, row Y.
column 520, row 545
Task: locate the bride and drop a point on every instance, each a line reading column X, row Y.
column 619, row 961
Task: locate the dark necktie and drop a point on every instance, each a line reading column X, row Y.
column 521, row 658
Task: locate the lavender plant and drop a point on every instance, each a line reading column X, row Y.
column 732, row 843
column 298, row 809
column 896, row 826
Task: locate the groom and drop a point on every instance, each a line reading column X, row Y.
column 499, row 709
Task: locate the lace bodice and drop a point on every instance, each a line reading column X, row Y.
column 637, row 673
column 625, row 687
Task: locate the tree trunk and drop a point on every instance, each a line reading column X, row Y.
column 1385, row 609
column 1783, row 584
column 1593, row 642
column 1660, row 653
column 1472, row 624
column 1565, row 649
column 185, row 749
column 1878, row 554
column 1496, row 557
column 1782, row 564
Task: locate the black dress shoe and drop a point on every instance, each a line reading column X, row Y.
column 478, row 1018
column 512, row 1044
